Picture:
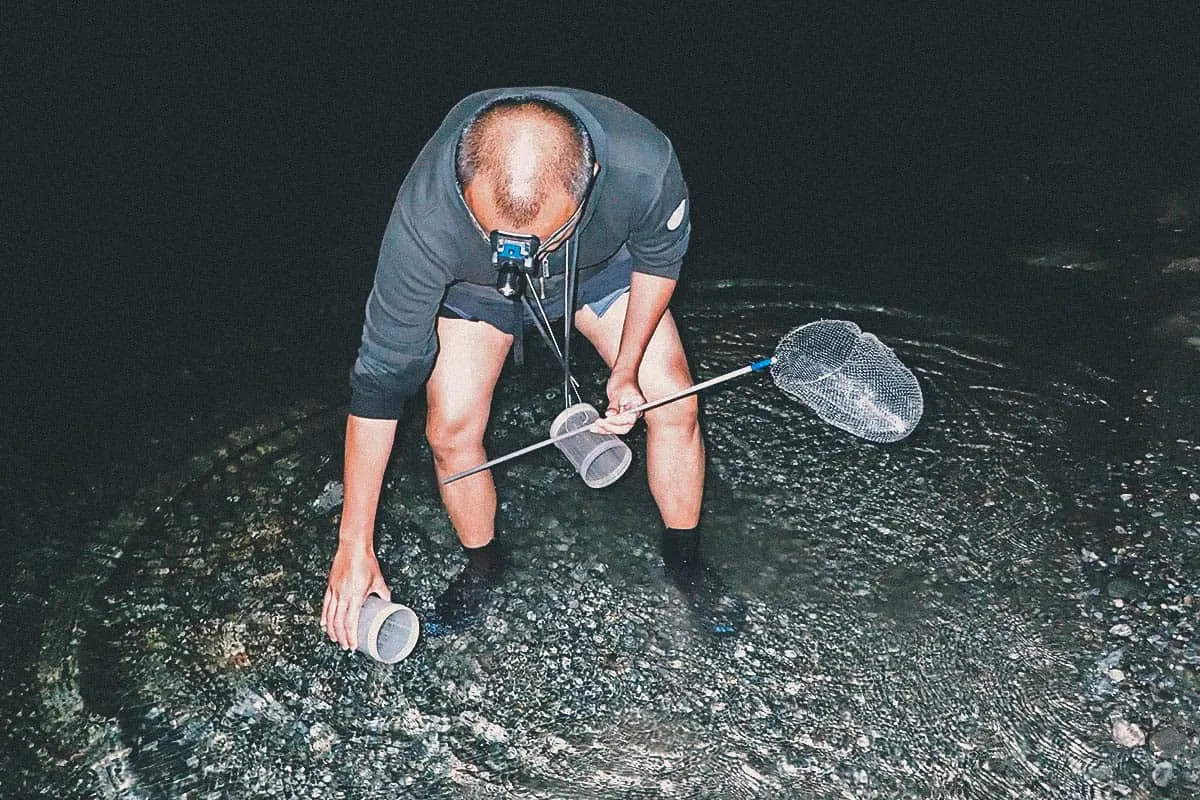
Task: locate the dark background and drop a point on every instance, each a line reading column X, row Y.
column 194, row 193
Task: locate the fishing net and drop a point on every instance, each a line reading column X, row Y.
column 850, row 379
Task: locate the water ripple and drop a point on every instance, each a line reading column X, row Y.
column 914, row 609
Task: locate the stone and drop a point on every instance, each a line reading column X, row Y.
column 1120, row 588
column 1168, row 741
column 1163, row 774
column 330, row 497
column 1127, row 734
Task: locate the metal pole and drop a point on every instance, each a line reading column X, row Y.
column 728, row 376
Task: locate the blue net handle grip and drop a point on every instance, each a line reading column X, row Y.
column 759, row 366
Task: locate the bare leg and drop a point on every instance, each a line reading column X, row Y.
column 674, row 465
column 470, row 357
column 674, row 444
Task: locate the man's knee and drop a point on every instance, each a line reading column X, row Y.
column 681, row 416
column 449, row 434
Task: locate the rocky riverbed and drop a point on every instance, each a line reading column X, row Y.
column 1002, row 605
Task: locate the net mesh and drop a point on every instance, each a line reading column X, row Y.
column 850, row 379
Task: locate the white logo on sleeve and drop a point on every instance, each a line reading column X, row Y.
column 677, row 215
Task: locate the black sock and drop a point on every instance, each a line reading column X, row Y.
column 486, row 559
column 458, row 607
column 681, row 552
column 714, row 606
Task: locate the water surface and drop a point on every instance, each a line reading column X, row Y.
column 966, row 613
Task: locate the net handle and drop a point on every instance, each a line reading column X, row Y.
column 757, row 366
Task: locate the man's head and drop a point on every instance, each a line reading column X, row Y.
column 524, row 166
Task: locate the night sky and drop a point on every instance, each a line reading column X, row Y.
column 183, row 176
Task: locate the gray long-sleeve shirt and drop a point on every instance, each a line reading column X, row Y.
column 639, row 200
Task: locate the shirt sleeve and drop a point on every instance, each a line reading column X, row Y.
column 399, row 338
column 660, row 238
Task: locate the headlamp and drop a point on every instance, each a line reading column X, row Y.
column 513, row 255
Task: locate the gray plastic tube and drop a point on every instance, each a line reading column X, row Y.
column 599, row 458
column 387, row 632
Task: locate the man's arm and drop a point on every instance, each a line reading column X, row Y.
column 398, row 347
column 355, row 572
column 648, row 299
column 657, row 243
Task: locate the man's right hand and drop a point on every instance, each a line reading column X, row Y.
column 355, row 574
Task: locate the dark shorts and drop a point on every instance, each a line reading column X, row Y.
column 483, row 303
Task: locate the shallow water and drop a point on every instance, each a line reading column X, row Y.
column 971, row 612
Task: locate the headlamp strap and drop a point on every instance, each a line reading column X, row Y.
column 518, row 335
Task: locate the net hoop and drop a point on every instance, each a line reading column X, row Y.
column 850, row 379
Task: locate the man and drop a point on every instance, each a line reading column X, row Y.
column 558, row 164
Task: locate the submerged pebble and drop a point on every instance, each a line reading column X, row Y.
column 1128, row 734
column 1168, row 741
column 1164, row 773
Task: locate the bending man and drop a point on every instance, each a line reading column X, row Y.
column 557, row 164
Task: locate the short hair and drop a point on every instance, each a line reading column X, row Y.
column 557, row 143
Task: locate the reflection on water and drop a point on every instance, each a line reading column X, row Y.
column 994, row 607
